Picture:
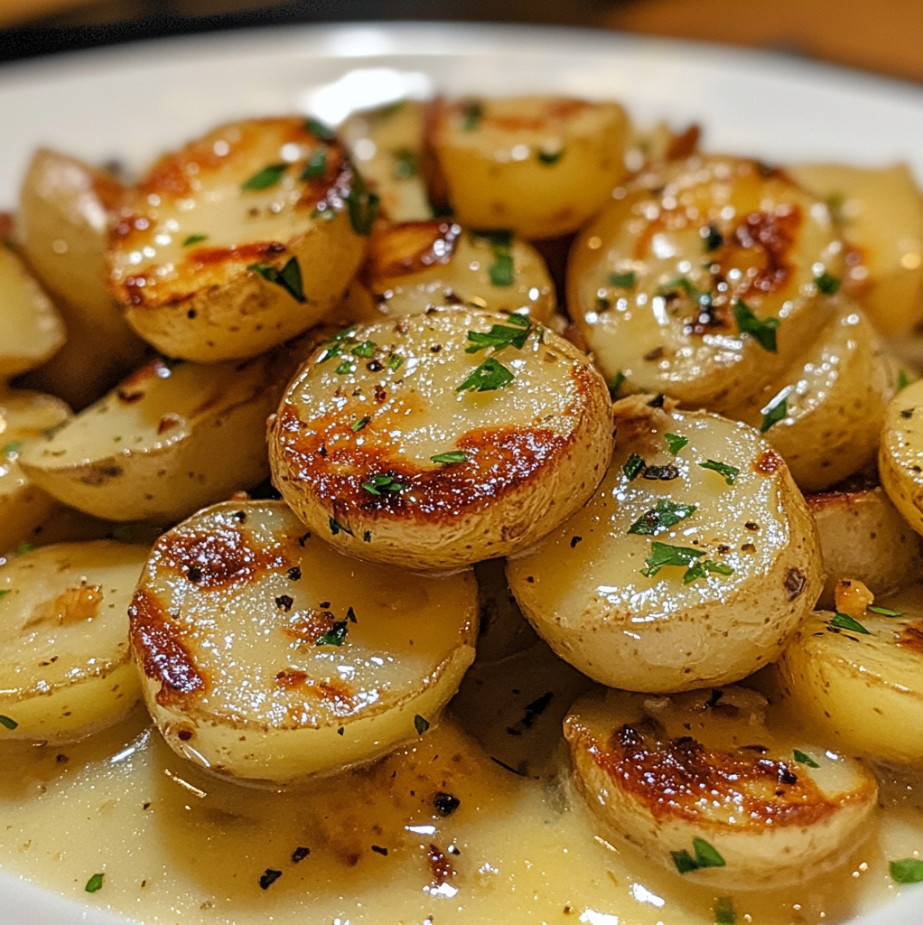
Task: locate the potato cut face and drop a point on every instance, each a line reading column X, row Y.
column 171, row 438
column 267, row 655
column 703, row 282
column 438, row 440
column 491, row 155
column 414, row 266
column 700, row 784
column 824, row 413
column 900, row 453
column 65, row 606
column 858, row 680
column 32, row 328
column 691, row 564
column 239, row 241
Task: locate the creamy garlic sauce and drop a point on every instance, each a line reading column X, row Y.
column 443, row 831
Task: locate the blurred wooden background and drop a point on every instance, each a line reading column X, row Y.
column 885, row 37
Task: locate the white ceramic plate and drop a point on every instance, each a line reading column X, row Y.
column 129, row 103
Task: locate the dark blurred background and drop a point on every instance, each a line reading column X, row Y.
column 885, row 37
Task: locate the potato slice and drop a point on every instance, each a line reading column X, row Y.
column 493, row 155
column 692, row 563
column 859, row 682
column 900, row 453
column 824, row 413
column 32, row 328
column 417, row 265
column 702, row 281
column 268, row 656
column 438, row 440
column 24, row 506
column 171, row 438
column 66, row 666
column 386, row 145
column 241, row 240
column 699, row 783
column 62, row 223
column 880, row 212
column 862, row 536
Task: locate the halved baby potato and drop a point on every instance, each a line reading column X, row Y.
column 32, row 328
column 700, row 784
column 62, row 226
column 692, row 563
column 537, row 165
column 267, row 656
column 171, row 438
column 880, row 212
column 825, row 412
column 24, row 416
column 900, row 453
column 414, row 266
column 859, row 681
column 863, row 537
column 705, row 280
column 241, row 240
column 437, row 440
column 66, row 668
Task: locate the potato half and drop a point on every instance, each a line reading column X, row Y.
column 417, row 265
column 492, row 156
column 171, row 438
column 267, row 656
column 900, row 453
column 239, row 241
column 66, row 669
column 691, row 564
column 438, row 440
column 703, row 281
column 699, row 783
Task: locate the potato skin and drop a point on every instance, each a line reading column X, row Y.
column 266, row 250
column 584, row 590
column 526, row 455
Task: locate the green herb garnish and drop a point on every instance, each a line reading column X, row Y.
column 265, row 178
column 623, row 280
column 675, row 442
column 8, row 722
column 316, row 165
column 907, row 870
column 884, row 611
column 362, row 204
column 549, row 158
column 633, row 466
column 95, row 883
column 773, row 414
column 662, row 516
column 472, row 113
column 846, row 622
column 288, row 278
column 724, row 911
column 616, row 382
column 11, row 448
column 194, row 239
column 453, row 456
column 336, row 527
column 500, row 336
column 705, row 856
column 421, row 724
column 405, row 164
column 376, row 484
column 763, row 332
column 395, row 361
column 501, row 271
column 336, row 636
column 705, row 567
column 346, row 367
column 827, row 284
column 804, row 758
column 729, row 473
column 318, row 129
column 488, row 376
column 712, row 238
column 663, row 554
column 360, row 423
column 365, row 349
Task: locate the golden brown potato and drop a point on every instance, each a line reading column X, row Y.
column 241, row 240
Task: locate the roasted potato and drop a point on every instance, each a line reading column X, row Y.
column 900, row 453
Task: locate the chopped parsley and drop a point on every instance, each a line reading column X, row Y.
column 712, row 238
column 729, row 473
column 662, row 516
column 763, row 332
column 420, row 723
column 362, row 204
column 453, row 456
column 472, row 113
column 705, row 855
column 265, row 178
column 804, row 758
column 884, row 611
column 405, row 164
column 5, row 591
column 336, row 527
column 194, row 239
column 23, row 548
column 11, row 449
column 616, row 382
column 663, row 554
column 95, row 883
column 675, row 442
column 360, row 423
column 501, row 271
column 633, row 466
column 316, row 165
column 500, row 335
column 376, row 484
column 395, row 361
column 8, row 722
column 365, row 349
column 623, row 280
column 549, row 158
column 773, row 414
column 846, row 622
column 488, row 376
column 318, row 129
column 288, row 278
column 907, row 870
column 724, row 911
column 346, row 367
column 903, row 380
column 827, row 284
column 336, row 636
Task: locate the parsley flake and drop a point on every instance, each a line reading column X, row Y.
column 501, row 271
column 318, row 129
column 363, row 206
column 8, row 722
column 549, row 158
column 365, row 349
column 763, row 332
column 884, row 611
column 336, row 527
column 907, row 870
column 633, row 466
column 488, row 376
column 316, row 165
column 421, row 724
column 360, row 423
column 288, row 278
column 704, row 568
column 472, row 113
column 616, row 382
column 663, row 554
column 623, row 280
column 773, row 414
column 265, row 178
column 729, row 473
column 827, row 284
column 675, row 442
column 5, row 591
column 804, row 758
column 346, row 367
column 95, row 883
column 191, row 239
column 662, row 516
column 405, row 164
column 11, row 449
column 453, row 456
column 499, row 336
column 903, row 380
column 705, row 856
column 395, row 361
column 376, row 484
column 724, row 911
column 846, row 622
column 336, row 636
column 712, row 238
